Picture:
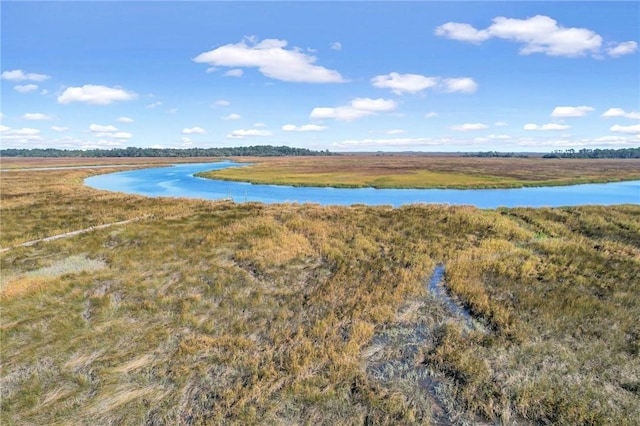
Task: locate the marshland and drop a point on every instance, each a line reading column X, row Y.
column 429, row 171
column 212, row 312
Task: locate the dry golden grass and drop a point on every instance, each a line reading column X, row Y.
column 222, row 313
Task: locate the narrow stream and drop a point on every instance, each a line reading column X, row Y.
column 394, row 354
column 438, row 290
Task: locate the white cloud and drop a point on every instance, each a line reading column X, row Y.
column 240, row 134
column 303, row 128
column 154, row 105
column 358, row 108
column 121, row 135
column 394, row 143
column 404, row 83
column 431, row 114
column 59, row 128
column 236, row 72
column 619, row 112
column 345, row 113
column 462, row 85
column 415, row 83
column 537, row 34
column 469, row 127
column 500, row 124
column 544, row 127
column 44, row 92
column 102, row 143
column 374, row 105
column 612, row 141
column 25, row 88
column 621, row 49
column 625, row 129
column 542, row 34
column 98, row 128
column 19, row 75
column 462, row 32
column 185, row 141
column 222, row 102
column 336, row 45
column 95, row 95
column 569, row 111
column 231, row 117
column 272, row 60
column 36, row 116
column 498, row 137
column 401, row 144
column 194, row 131
column 23, row 135
column 259, row 125
column 108, row 132
column 125, row 120
column 73, row 143
column 24, row 131
column 395, row 131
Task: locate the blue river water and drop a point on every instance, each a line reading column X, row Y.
column 178, row 181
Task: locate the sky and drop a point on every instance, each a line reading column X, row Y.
column 338, row 76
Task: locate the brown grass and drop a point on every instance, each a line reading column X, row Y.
column 219, row 313
column 386, row 171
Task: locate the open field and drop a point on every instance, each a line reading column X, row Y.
column 401, row 171
column 219, row 313
column 28, row 162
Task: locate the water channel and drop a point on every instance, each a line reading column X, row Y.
column 179, row 181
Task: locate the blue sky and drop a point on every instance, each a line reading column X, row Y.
column 343, row 76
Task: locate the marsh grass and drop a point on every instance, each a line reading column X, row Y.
column 12, row 285
column 219, row 313
column 389, row 171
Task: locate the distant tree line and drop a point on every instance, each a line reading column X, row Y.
column 252, row 151
column 495, row 154
column 596, row 153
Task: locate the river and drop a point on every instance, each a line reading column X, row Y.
column 178, row 181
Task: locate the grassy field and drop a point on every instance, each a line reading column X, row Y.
column 8, row 163
column 219, row 313
column 403, row 171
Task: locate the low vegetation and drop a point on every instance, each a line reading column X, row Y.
column 220, row 313
column 135, row 152
column 402, row 171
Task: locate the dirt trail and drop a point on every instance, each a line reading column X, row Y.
column 72, row 233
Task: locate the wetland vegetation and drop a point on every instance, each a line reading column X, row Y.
column 403, row 171
column 204, row 312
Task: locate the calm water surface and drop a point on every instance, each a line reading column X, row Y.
column 178, row 181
